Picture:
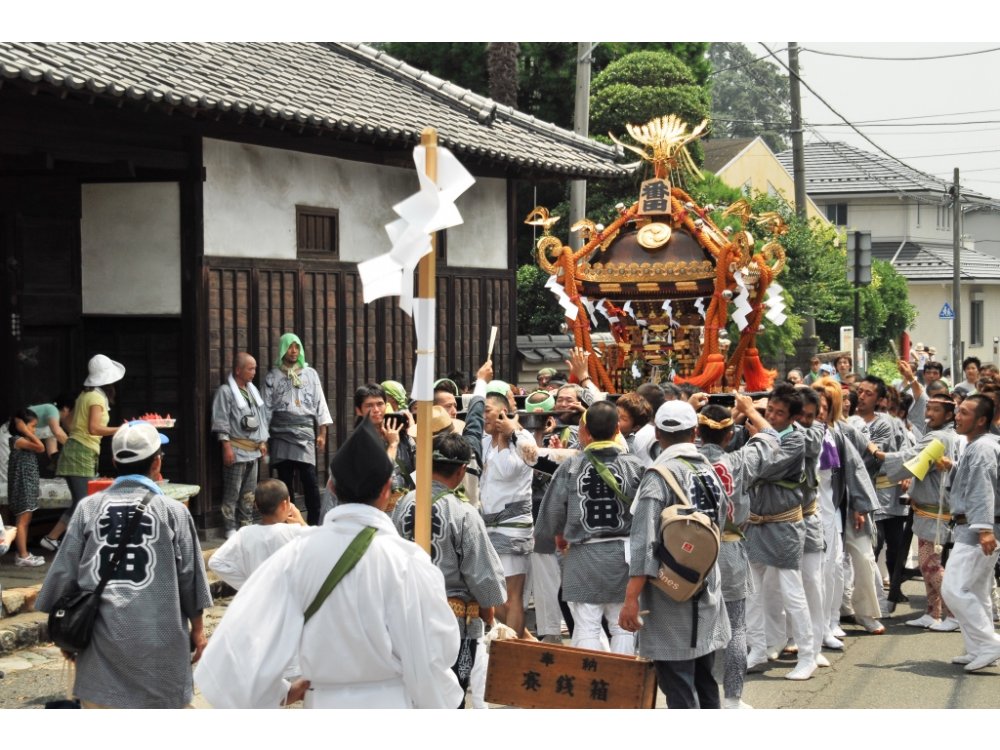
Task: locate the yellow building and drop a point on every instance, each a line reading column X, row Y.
column 748, row 164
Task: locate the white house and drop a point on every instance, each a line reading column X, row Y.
column 909, row 215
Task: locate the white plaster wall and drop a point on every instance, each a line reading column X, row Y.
column 892, row 218
column 251, row 193
column 130, row 237
column 929, row 297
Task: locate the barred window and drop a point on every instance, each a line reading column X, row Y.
column 317, row 231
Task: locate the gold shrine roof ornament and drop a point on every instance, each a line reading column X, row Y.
column 665, row 140
column 664, row 275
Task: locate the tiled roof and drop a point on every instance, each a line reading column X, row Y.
column 350, row 90
column 934, row 262
column 720, row 151
column 837, row 168
column 553, row 349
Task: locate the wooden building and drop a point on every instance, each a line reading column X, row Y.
column 171, row 204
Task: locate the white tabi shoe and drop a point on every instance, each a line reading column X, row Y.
column 822, row 661
column 983, row 660
column 802, row 671
column 924, row 621
column 963, row 659
column 872, row 625
column 734, row 703
column 837, row 632
column 947, row 625
column 833, row 643
column 756, row 661
column 773, row 652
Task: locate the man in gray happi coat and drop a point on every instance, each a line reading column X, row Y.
column 298, row 416
column 681, row 637
column 974, row 509
column 737, row 470
column 460, row 547
column 776, row 535
column 929, row 501
column 239, row 422
column 587, row 506
column 149, row 628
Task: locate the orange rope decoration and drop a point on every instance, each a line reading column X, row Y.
column 745, row 360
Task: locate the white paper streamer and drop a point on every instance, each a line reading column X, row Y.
column 603, row 310
column 423, row 375
column 590, row 309
column 699, row 305
column 742, row 302
column 627, row 309
column 429, row 210
column 775, row 304
column 636, row 372
column 669, row 309
column 570, row 309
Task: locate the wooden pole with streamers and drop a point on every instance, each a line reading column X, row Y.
column 425, row 434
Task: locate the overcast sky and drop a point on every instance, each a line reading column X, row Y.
column 921, row 96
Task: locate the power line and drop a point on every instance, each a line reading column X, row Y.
column 900, row 59
column 741, row 65
column 924, row 132
column 831, row 108
column 953, row 153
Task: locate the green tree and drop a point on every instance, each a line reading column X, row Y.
column 643, row 85
column 750, row 96
column 815, row 278
column 538, row 312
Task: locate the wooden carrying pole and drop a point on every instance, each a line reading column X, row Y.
column 425, row 434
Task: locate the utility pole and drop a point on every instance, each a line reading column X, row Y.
column 956, row 281
column 798, row 157
column 581, row 126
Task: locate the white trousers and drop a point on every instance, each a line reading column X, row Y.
column 859, row 548
column 477, row 680
column 812, row 582
column 588, row 633
column 793, row 598
column 544, row 579
column 966, row 590
column 833, row 574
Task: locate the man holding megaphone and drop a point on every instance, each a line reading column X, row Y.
column 929, row 501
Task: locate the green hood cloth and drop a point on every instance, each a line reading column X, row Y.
column 396, row 392
column 497, row 386
column 286, row 341
column 545, row 403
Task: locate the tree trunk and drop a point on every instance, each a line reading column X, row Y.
column 501, row 60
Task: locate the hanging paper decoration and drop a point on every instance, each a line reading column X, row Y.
column 569, row 309
column 429, row 210
column 742, row 302
column 775, row 304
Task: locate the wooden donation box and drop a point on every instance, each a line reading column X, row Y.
column 530, row 674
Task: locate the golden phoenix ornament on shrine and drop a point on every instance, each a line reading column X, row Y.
column 666, row 277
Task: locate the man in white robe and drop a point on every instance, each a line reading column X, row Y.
column 385, row 636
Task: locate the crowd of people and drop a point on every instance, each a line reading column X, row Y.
column 553, row 501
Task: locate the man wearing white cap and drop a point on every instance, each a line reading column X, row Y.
column 149, row 627
column 78, row 458
column 680, row 637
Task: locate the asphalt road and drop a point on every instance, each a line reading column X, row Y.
column 905, row 668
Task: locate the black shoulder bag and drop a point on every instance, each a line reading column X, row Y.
column 71, row 619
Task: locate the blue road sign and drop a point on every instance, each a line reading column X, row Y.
column 946, row 312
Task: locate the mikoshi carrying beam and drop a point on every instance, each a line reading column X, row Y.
column 421, row 216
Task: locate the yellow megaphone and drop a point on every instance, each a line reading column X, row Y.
column 920, row 464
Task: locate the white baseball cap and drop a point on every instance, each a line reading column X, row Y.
column 136, row 441
column 676, row 416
